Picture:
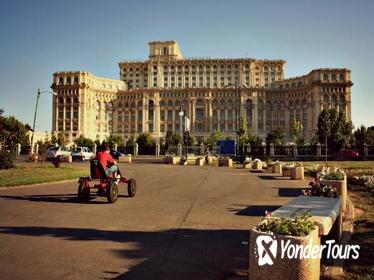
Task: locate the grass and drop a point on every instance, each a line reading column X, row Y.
column 26, row 174
column 363, row 235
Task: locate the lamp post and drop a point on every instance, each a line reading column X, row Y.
column 237, row 86
column 181, row 113
column 36, row 111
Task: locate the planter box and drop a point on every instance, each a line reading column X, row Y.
column 247, row 165
column 168, row 159
column 175, row 160
column 257, row 165
column 269, row 167
column 277, row 167
column 126, row 159
column 297, row 173
column 283, row 268
column 225, row 162
column 200, row 161
column 341, row 187
column 211, row 160
column 286, row 170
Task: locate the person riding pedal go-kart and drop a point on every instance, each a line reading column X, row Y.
column 108, row 162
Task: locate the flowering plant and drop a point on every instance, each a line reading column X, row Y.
column 317, row 188
column 301, row 225
column 331, row 173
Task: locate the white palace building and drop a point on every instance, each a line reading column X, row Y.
column 213, row 93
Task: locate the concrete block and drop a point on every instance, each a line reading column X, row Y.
column 297, row 173
column 277, row 167
column 341, row 187
column 200, row 161
column 283, row 268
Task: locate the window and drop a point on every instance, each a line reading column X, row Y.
column 325, row 77
column 61, row 81
column 68, row 80
column 341, row 78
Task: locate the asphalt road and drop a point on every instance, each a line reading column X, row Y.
column 185, row 222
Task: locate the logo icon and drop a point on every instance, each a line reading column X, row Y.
column 267, row 249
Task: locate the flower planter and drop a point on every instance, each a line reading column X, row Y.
column 225, row 162
column 286, row 170
column 284, row 268
column 199, row 161
column 257, row 165
column 247, row 165
column 297, row 173
column 341, row 188
column 175, row 160
column 277, row 167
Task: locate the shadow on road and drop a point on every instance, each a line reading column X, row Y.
column 169, row 254
column 55, row 198
column 254, row 210
column 290, row 192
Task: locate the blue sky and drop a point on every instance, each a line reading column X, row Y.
column 41, row 37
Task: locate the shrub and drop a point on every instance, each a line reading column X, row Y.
column 299, row 226
column 6, row 159
column 320, row 189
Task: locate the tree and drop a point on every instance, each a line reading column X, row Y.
column 277, row 137
column 114, row 139
column 172, row 139
column 243, row 133
column 146, row 144
column 84, row 142
column 61, row 140
column 214, row 137
column 297, row 131
column 334, row 130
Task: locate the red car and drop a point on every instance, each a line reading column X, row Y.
column 347, row 154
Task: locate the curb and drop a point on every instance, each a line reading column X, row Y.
column 336, row 269
column 37, row 184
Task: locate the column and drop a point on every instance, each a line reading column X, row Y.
column 156, row 117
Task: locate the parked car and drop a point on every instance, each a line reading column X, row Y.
column 116, row 155
column 57, row 152
column 82, row 153
column 347, row 154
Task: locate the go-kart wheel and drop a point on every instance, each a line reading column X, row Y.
column 112, row 192
column 83, row 193
column 131, row 187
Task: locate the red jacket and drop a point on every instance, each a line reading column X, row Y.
column 105, row 159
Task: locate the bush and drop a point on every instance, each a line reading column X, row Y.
column 6, row 159
column 299, row 226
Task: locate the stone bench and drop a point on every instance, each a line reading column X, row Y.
column 277, row 167
column 248, row 165
column 257, row 165
column 286, row 170
column 325, row 211
column 172, row 159
column 200, row 161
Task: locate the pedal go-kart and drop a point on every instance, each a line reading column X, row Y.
column 107, row 185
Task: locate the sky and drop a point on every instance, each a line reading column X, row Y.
column 41, row 37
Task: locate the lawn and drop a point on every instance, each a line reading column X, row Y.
column 25, row 174
column 363, row 235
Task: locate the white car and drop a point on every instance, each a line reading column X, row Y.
column 82, row 153
column 58, row 152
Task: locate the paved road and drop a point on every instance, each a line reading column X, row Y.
column 185, row 222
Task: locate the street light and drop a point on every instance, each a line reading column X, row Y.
column 181, row 113
column 36, row 110
column 237, row 86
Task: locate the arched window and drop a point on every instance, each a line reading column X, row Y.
column 170, row 103
column 75, row 80
column 165, row 50
column 299, row 84
column 260, row 117
column 222, row 103
column 341, row 78
column 61, row 81
column 229, row 103
column 68, row 80
column 248, row 111
column 150, row 110
column 333, row 77
column 325, row 77
column 68, row 100
column 76, row 100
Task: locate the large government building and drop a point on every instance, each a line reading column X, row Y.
column 213, row 93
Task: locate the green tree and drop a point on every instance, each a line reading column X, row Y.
column 61, row 140
column 277, row 137
column 114, row 139
column 297, row 131
column 214, row 137
column 84, row 142
column 172, row 139
column 146, row 144
column 334, row 130
column 243, row 132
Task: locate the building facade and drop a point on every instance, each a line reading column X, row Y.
column 213, row 93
